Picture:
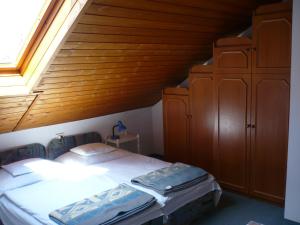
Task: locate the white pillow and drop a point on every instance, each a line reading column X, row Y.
column 71, row 157
column 20, row 167
column 92, row 149
column 9, row 182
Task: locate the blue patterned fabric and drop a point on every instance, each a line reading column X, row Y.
column 170, row 179
column 57, row 147
column 106, row 208
column 23, row 152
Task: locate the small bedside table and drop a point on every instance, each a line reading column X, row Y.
column 128, row 137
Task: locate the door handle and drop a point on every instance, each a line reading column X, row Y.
column 253, row 126
column 248, row 126
column 189, row 117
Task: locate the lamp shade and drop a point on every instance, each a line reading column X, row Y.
column 121, row 126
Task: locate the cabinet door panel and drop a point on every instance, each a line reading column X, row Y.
column 270, row 114
column 232, row 98
column 176, row 128
column 232, row 60
column 201, row 104
column 272, row 43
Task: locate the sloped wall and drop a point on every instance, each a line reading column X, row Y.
column 119, row 57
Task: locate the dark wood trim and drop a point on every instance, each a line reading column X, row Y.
column 27, row 112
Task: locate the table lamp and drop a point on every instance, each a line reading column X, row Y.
column 121, row 127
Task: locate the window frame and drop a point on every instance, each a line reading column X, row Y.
column 34, row 41
column 64, row 18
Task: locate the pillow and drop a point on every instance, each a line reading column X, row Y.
column 9, row 182
column 21, row 167
column 92, row 149
column 71, row 157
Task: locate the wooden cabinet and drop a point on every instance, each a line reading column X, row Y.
column 272, row 31
column 239, row 108
column 202, row 123
column 269, row 136
column 251, row 134
column 232, row 55
column 252, row 108
column 176, row 124
column 232, row 73
column 232, row 137
column 189, row 121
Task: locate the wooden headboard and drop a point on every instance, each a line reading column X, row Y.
column 57, row 147
column 35, row 150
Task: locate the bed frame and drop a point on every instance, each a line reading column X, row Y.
column 22, row 152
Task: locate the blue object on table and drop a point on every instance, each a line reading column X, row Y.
column 121, row 127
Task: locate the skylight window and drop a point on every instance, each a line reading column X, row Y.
column 19, row 20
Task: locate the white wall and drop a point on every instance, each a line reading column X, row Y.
column 292, row 202
column 158, row 129
column 139, row 120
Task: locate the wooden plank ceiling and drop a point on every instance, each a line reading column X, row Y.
column 120, row 56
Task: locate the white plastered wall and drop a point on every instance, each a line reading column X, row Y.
column 137, row 121
column 292, row 202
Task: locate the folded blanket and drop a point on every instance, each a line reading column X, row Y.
column 107, row 208
column 170, row 179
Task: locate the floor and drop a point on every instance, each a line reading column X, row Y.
column 236, row 209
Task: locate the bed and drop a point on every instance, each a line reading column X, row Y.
column 119, row 166
column 34, row 150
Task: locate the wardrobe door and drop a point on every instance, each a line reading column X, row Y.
column 232, row 55
column 269, row 136
column 176, row 127
column 272, row 42
column 202, row 123
column 231, row 131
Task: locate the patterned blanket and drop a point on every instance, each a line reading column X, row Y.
column 105, row 208
column 170, row 179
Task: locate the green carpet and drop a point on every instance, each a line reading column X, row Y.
column 236, row 209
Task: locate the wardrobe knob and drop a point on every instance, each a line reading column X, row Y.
column 248, row 126
column 189, row 116
column 253, row 126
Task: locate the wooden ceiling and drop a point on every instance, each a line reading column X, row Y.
column 120, row 56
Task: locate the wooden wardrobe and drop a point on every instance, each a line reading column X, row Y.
column 176, row 124
column 238, row 108
column 187, row 114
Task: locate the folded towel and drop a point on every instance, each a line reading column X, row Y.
column 106, row 208
column 170, row 179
